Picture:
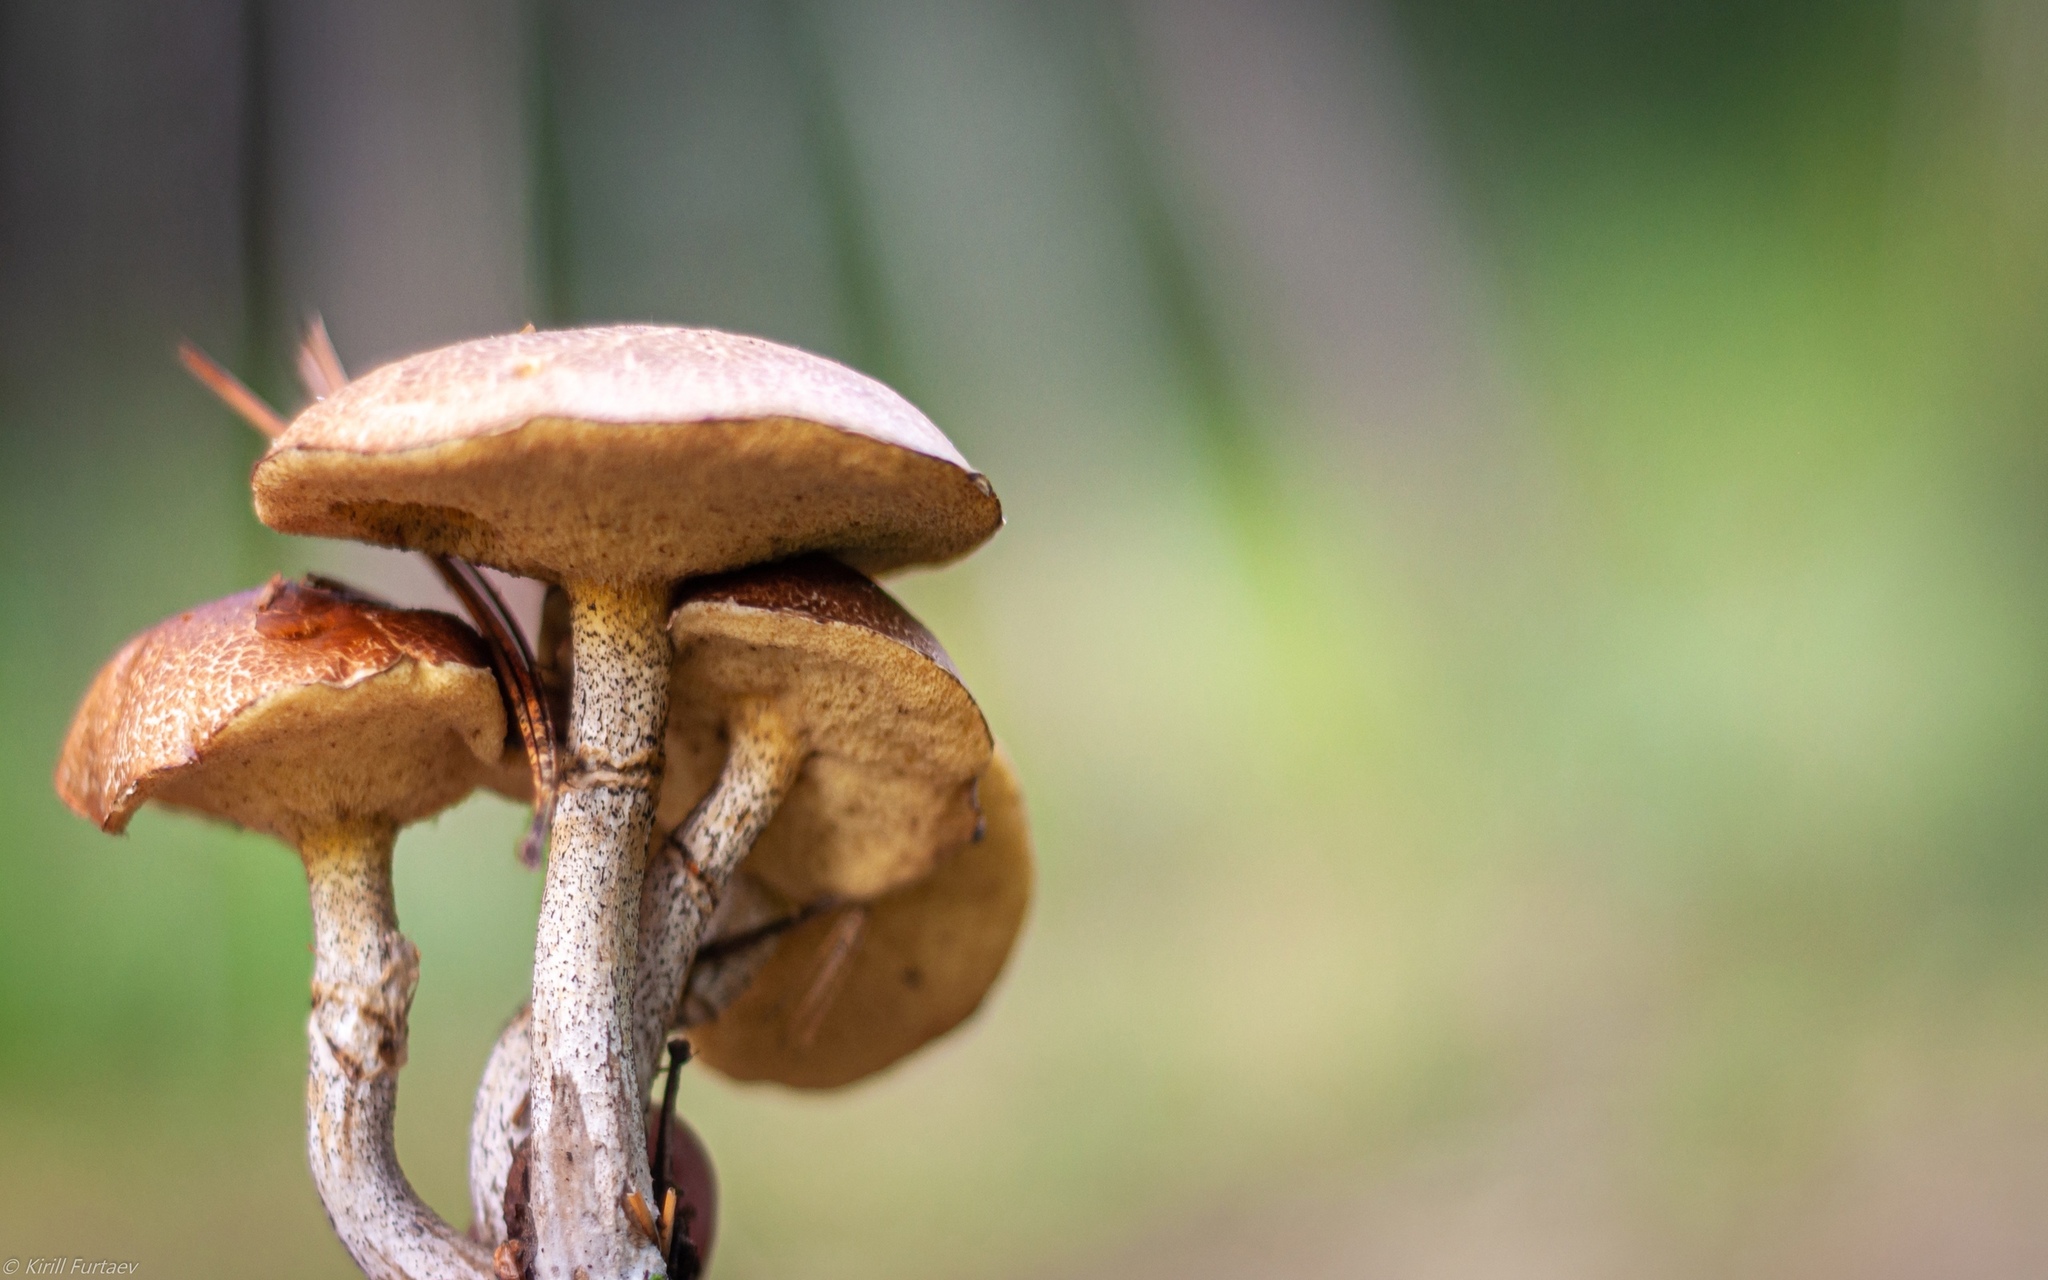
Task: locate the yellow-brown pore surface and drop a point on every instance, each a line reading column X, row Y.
column 927, row 956
column 286, row 708
column 510, row 775
column 894, row 740
column 626, row 453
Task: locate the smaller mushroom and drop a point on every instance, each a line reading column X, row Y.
column 857, row 989
column 526, row 772
column 803, row 693
column 327, row 720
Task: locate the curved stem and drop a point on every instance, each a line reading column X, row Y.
column 688, row 874
column 364, row 974
column 500, row 1122
column 589, row 1122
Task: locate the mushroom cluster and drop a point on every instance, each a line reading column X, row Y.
column 780, row 833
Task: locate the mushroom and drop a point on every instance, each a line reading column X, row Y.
column 803, row 693
column 836, row 1002
column 327, row 720
column 614, row 462
column 526, row 771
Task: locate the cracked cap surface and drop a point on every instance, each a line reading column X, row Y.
column 626, row 453
column 284, row 709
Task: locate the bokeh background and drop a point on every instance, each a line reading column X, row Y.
column 1524, row 615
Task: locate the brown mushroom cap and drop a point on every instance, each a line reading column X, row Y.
column 927, row 956
column 627, row 453
column 894, row 740
column 285, row 708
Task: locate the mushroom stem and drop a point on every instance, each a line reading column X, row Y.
column 681, row 890
column 501, row 1121
column 589, row 1136
column 502, row 1118
column 364, row 974
column 688, row 874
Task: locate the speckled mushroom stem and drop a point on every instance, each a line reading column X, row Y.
column 688, row 874
column 364, row 973
column 681, row 890
column 589, row 1136
column 501, row 1120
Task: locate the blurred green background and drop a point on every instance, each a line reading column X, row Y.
column 1522, row 618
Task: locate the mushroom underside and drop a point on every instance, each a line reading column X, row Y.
column 758, row 490
column 318, row 754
